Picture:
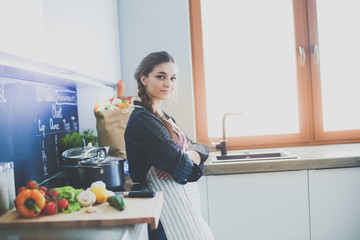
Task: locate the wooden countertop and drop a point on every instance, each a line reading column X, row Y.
column 138, row 210
column 308, row 157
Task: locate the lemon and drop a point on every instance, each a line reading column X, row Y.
column 101, row 194
column 123, row 105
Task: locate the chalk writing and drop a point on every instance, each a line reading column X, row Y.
column 56, row 111
column 66, row 97
column 44, row 159
column 74, row 123
column 45, row 94
column 66, row 126
column 41, row 128
column 2, row 93
column 35, row 110
column 57, row 150
column 53, row 126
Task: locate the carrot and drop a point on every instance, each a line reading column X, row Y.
column 120, row 89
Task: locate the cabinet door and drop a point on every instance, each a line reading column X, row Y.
column 259, row 206
column 202, row 184
column 335, row 204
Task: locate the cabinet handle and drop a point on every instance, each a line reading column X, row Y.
column 316, row 53
column 302, row 55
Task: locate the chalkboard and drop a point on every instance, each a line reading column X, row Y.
column 34, row 115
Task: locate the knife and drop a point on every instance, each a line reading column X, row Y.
column 136, row 194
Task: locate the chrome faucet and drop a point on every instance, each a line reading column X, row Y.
column 222, row 145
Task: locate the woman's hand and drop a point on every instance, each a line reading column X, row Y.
column 162, row 175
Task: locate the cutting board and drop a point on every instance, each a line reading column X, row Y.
column 138, row 210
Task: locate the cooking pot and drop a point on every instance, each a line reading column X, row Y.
column 74, row 156
column 82, row 170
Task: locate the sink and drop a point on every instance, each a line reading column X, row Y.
column 254, row 155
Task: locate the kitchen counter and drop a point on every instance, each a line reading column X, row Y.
column 308, row 157
column 106, row 221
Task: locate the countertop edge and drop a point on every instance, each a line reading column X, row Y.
column 137, row 211
column 322, row 160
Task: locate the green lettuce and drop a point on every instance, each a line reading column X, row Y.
column 69, row 193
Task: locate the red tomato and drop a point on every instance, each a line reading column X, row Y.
column 54, row 192
column 42, row 192
column 32, row 184
column 62, row 204
column 21, row 189
column 50, row 208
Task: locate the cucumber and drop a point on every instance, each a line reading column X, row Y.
column 116, row 202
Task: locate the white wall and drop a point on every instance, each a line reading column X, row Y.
column 21, row 28
column 156, row 25
column 83, row 35
column 80, row 35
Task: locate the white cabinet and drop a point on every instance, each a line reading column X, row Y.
column 202, row 184
column 335, row 204
column 259, row 206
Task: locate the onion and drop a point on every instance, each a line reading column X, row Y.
column 86, row 198
column 111, row 193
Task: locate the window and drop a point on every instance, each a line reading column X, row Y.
column 262, row 59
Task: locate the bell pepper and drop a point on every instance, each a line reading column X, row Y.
column 30, row 203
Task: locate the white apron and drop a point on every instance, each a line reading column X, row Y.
column 180, row 215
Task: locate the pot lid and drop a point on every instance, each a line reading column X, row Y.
column 102, row 161
column 85, row 152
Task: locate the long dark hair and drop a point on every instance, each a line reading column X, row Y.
column 145, row 67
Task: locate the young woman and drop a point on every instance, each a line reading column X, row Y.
column 161, row 157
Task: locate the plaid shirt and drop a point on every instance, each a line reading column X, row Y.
column 148, row 143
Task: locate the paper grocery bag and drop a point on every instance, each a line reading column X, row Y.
column 111, row 125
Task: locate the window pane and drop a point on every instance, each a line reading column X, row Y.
column 249, row 58
column 339, row 46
